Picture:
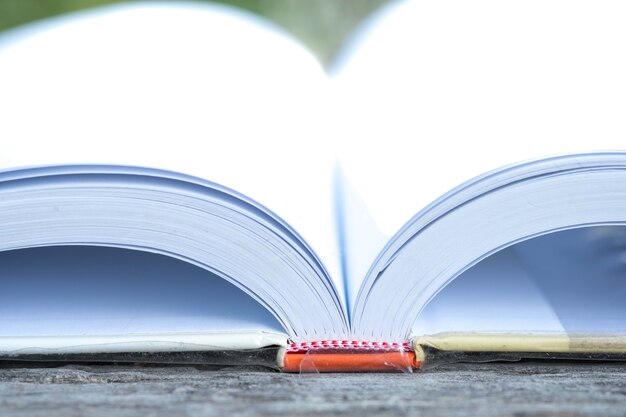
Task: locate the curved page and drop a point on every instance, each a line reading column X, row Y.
column 180, row 216
column 104, row 299
column 204, row 90
column 434, row 93
column 560, row 292
column 480, row 218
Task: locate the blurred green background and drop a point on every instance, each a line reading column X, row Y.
column 322, row 25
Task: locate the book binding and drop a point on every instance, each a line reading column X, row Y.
column 349, row 356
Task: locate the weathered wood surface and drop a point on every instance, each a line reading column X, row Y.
column 503, row 389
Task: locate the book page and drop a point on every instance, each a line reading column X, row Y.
column 358, row 235
column 432, row 94
column 221, row 95
column 104, row 291
column 581, row 274
column 569, row 283
column 497, row 295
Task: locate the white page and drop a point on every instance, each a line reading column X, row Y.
column 581, row 273
column 200, row 89
column 358, row 235
column 569, row 282
column 88, row 291
column 435, row 93
column 497, row 295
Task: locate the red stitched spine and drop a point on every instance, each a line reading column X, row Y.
column 349, row 356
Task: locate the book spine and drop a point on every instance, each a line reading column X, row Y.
column 349, row 356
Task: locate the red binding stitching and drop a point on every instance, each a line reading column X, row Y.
column 304, row 347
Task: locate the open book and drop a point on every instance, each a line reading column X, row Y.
column 240, row 241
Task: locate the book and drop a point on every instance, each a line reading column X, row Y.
column 162, row 202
